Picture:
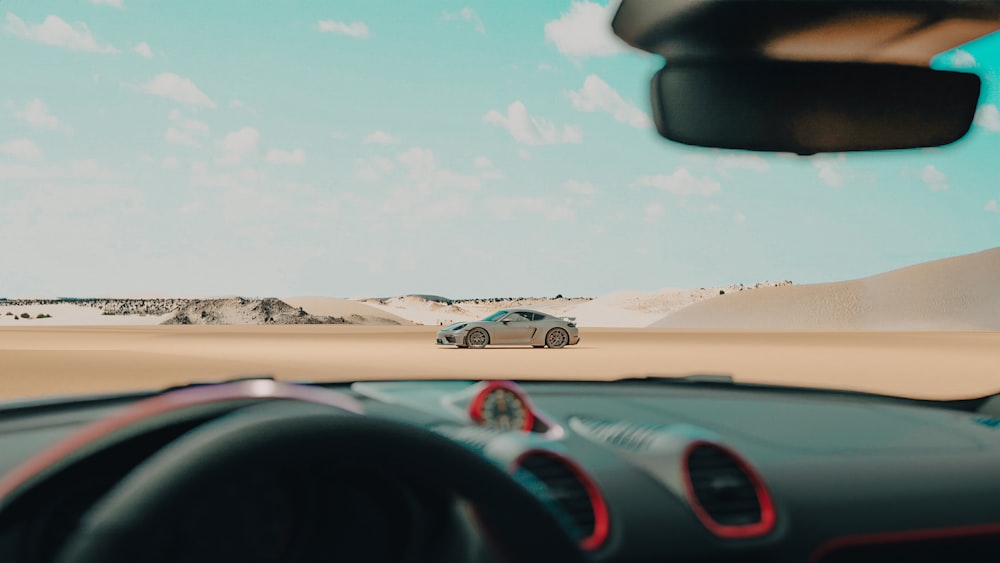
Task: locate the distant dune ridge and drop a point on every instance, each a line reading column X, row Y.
column 960, row 293
column 353, row 311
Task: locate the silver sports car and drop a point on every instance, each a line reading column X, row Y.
column 512, row 326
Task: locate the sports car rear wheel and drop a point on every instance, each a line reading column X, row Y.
column 477, row 338
column 557, row 338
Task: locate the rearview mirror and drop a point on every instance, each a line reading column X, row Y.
column 812, row 107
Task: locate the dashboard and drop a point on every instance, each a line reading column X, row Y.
column 634, row 470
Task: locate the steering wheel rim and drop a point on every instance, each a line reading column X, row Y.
column 516, row 522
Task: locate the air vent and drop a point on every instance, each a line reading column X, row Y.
column 726, row 494
column 573, row 490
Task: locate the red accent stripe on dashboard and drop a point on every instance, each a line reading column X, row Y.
column 902, row 536
column 167, row 402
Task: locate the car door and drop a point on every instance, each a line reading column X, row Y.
column 515, row 328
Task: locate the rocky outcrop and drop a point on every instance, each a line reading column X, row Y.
column 244, row 311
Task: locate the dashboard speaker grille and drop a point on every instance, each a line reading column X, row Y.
column 573, row 492
column 723, row 487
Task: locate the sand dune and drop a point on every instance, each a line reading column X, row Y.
column 354, row 311
column 436, row 311
column 620, row 309
column 960, row 293
column 636, row 309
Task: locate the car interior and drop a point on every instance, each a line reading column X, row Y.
column 637, row 469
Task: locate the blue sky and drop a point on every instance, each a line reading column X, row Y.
column 379, row 148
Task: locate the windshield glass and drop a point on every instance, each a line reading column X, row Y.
column 495, row 316
column 326, row 181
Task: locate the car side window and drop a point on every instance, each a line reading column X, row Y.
column 518, row 317
column 536, row 316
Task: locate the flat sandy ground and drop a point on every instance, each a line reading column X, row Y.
column 36, row 361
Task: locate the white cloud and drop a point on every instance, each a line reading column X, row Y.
column 239, row 144
column 934, row 178
column 988, row 117
column 191, row 208
column 466, row 14
column 143, row 50
column 681, row 182
column 739, row 218
column 525, row 154
column 961, row 58
column 597, row 95
column 743, row 162
column 531, row 130
column 56, row 32
column 545, row 67
column 175, row 136
column 354, row 29
column 21, row 148
column 507, row 208
column 278, row 156
column 373, row 169
column 90, row 169
column 653, row 212
column 37, row 114
column 488, row 170
column 585, row 31
column 113, row 3
column 418, row 159
column 380, row 138
column 427, row 176
column 195, row 126
column 170, row 162
column 580, row 188
column 992, row 206
column 177, row 88
column 829, row 169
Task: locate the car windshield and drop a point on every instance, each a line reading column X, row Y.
column 298, row 188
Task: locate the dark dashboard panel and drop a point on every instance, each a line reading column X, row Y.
column 850, row 478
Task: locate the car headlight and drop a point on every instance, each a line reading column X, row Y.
column 460, row 326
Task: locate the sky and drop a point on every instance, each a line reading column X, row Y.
column 465, row 149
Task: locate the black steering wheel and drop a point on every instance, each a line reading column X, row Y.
column 117, row 528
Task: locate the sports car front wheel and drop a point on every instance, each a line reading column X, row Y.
column 557, row 338
column 477, row 338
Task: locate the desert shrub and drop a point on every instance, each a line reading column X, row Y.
column 25, row 316
column 43, row 316
column 722, row 292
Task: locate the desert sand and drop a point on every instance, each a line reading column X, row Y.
column 930, row 330
column 38, row 361
column 960, row 293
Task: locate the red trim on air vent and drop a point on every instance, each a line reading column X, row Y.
column 767, row 512
column 601, row 518
column 904, row 536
